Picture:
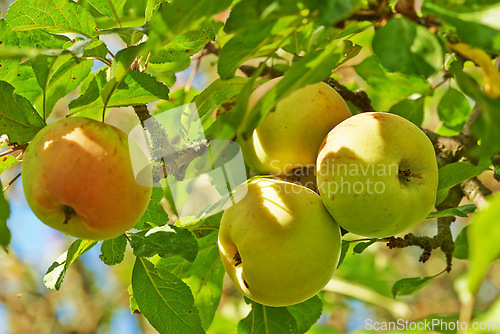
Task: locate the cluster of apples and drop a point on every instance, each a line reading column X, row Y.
column 376, row 175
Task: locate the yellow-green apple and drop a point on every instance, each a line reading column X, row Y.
column 278, row 244
column 78, row 178
column 290, row 137
column 377, row 174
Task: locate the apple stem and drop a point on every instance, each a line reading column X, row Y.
column 69, row 213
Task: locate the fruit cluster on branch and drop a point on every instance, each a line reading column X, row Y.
column 448, row 149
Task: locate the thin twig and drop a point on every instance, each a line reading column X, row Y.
column 9, row 151
column 104, row 60
column 359, row 98
column 196, row 66
column 11, row 182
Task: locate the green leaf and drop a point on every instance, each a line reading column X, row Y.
column 119, row 68
column 343, row 251
column 57, row 77
column 83, row 48
column 261, row 38
column 53, row 16
column 468, row 84
column 155, row 214
column 122, row 61
column 111, row 8
column 406, row 47
column 58, row 71
column 166, row 72
column 462, row 245
column 135, row 89
column 32, row 38
column 10, row 69
column 487, row 125
column 57, row 271
column 136, row 9
column 453, row 109
column 7, row 162
column 350, row 51
column 21, row 76
column 129, row 35
column 370, row 67
column 361, row 246
column 354, row 28
column 191, row 223
column 306, row 313
column 177, row 98
column 386, row 88
column 461, row 211
column 165, row 241
column 151, row 7
column 408, row 286
column 184, row 45
column 303, row 38
column 469, row 25
column 291, row 319
column 164, row 299
column 204, row 276
column 77, row 47
column 113, row 250
column 412, row 110
column 39, row 38
column 221, row 93
column 177, row 16
column 134, row 308
column 330, row 12
column 265, row 319
column 454, row 173
column 175, row 56
column 18, row 119
column 235, row 118
column 483, row 235
column 249, row 13
column 4, row 215
column 243, row 14
column 7, row 35
column 41, row 67
column 91, row 96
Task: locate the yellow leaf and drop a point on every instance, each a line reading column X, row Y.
column 483, row 60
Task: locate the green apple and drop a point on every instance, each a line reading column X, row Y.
column 278, row 244
column 78, row 178
column 289, row 137
column 377, row 174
